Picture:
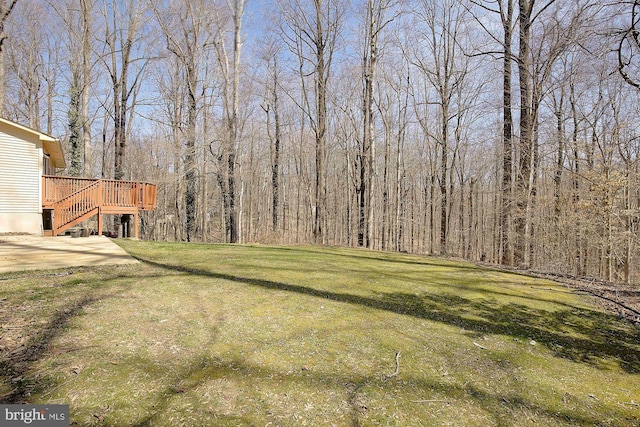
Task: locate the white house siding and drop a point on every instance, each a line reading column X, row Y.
column 20, row 185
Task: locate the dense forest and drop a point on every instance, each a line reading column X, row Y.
column 498, row 130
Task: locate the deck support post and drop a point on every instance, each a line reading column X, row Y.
column 99, row 221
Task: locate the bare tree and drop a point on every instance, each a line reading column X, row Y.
column 271, row 107
column 378, row 14
column 124, row 62
column 6, row 6
column 229, row 66
column 526, row 144
column 184, row 31
column 79, row 53
column 311, row 34
column 25, row 63
column 505, row 10
column 446, row 75
column 170, row 83
column 69, row 37
column 86, row 7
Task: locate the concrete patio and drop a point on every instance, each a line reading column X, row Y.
column 27, row 252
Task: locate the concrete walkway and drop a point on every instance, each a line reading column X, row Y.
column 19, row 253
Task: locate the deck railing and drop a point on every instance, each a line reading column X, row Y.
column 76, row 199
column 113, row 194
column 56, row 188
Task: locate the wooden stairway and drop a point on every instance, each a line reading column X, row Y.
column 73, row 200
column 75, row 208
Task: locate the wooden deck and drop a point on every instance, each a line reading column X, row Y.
column 73, row 200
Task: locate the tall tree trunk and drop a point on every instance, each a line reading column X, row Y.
column 204, row 191
column 444, row 173
column 84, row 88
column 579, row 254
column 275, row 163
column 386, row 226
column 507, row 137
column 399, row 202
column 120, row 139
column 190, row 171
column 120, row 46
column 373, row 26
column 75, row 127
column 321, row 77
column 526, row 132
column 560, row 153
column 232, row 121
column 362, row 195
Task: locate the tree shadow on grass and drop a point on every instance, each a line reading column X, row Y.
column 353, row 388
column 581, row 335
column 578, row 334
column 16, row 365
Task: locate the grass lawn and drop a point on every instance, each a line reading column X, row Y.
column 207, row 335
